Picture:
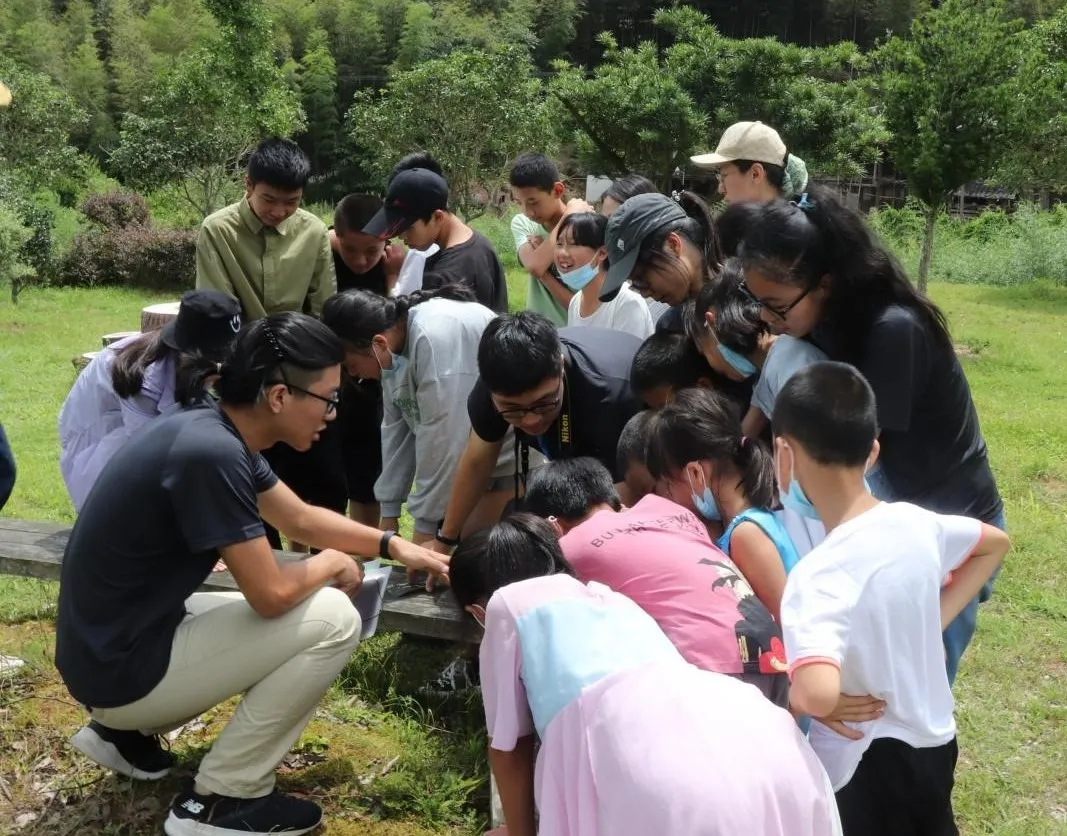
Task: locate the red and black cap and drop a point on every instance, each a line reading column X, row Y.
column 413, row 195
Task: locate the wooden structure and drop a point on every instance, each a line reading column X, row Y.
column 35, row 550
column 154, row 317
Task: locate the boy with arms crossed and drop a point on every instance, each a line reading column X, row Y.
column 863, row 612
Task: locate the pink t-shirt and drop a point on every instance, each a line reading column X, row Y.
column 660, row 555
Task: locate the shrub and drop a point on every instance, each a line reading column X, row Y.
column 116, row 210
column 132, row 256
column 32, row 210
column 13, row 237
column 126, row 249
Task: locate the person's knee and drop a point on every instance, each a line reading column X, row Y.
column 336, row 614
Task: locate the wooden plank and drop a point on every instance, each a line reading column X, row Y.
column 35, row 549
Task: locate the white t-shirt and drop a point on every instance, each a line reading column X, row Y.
column 786, row 357
column 868, row 599
column 410, row 278
column 627, row 312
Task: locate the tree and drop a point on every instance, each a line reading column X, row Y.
column 36, row 129
column 13, row 237
column 949, row 94
column 318, row 94
column 87, row 82
column 202, row 116
column 1038, row 158
column 473, row 111
column 416, row 38
column 629, row 115
column 808, row 95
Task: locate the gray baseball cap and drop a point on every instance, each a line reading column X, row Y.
column 635, row 220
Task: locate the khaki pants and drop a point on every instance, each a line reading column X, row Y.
column 283, row 666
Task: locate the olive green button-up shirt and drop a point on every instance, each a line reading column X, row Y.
column 268, row 269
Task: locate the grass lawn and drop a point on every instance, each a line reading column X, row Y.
column 384, row 763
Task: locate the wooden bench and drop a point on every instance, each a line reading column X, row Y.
column 35, row 550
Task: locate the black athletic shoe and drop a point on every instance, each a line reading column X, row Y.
column 129, row 753
column 220, row 815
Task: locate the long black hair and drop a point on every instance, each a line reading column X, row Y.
column 738, row 324
column 289, row 347
column 798, row 243
column 515, row 549
column 700, row 425
column 697, row 227
column 191, row 370
column 356, row 316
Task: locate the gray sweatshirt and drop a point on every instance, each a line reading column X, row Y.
column 425, row 428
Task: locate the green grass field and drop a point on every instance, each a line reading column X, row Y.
column 383, row 763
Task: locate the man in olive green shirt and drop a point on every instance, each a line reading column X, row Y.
column 273, row 256
column 265, row 250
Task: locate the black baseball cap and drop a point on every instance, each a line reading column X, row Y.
column 414, row 194
column 629, row 225
column 207, row 323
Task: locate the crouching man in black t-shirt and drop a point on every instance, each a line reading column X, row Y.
column 145, row 654
column 565, row 392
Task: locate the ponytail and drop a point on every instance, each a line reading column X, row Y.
column 356, row 316
column 701, row 425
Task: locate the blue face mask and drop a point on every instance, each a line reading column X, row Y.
column 794, row 498
column 397, row 367
column 577, row 279
column 705, row 503
column 738, row 362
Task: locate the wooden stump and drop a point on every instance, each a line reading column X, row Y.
column 155, row 317
column 108, row 339
column 80, row 361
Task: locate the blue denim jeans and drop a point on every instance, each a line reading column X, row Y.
column 959, row 633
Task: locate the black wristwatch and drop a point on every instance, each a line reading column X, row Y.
column 447, row 541
column 383, row 544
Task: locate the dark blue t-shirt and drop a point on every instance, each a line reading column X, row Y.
column 148, row 535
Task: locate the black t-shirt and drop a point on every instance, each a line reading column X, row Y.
column 373, row 280
column 473, row 263
column 932, row 450
column 671, row 320
column 178, row 490
column 597, row 399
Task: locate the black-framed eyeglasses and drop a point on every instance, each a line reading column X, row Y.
column 331, row 401
column 780, row 312
column 542, row 408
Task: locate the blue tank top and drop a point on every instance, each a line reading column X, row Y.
column 770, row 526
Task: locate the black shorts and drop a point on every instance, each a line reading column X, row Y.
column 899, row 790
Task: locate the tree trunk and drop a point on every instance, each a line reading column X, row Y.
column 927, row 247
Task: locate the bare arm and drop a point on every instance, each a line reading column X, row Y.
column 325, row 529
column 273, row 588
column 757, row 557
column 514, row 773
column 475, row 468
column 968, row 578
column 815, row 688
column 754, row 423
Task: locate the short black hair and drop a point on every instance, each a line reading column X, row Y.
column 829, row 410
column 417, row 159
column 518, row 352
column 667, row 359
column 633, row 440
column 280, row 163
column 533, row 171
column 518, row 548
column 568, row 488
column 355, row 211
column 288, row 346
column 587, row 229
column 631, row 185
column 738, row 323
